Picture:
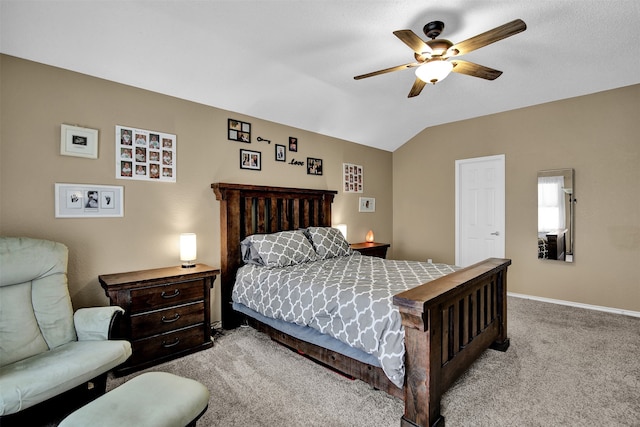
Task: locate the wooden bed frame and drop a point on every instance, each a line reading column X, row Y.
column 448, row 322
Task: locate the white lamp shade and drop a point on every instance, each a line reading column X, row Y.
column 187, row 247
column 434, row 71
column 343, row 229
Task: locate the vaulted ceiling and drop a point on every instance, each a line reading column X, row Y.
column 293, row 62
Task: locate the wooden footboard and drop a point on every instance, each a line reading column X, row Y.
column 448, row 323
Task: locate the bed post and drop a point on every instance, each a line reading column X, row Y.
column 502, row 342
column 421, row 399
column 230, row 258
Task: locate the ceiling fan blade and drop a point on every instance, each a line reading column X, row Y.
column 502, row 32
column 410, row 38
column 387, row 70
column 475, row 70
column 417, row 87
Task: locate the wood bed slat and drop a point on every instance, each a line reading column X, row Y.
column 448, row 322
column 296, row 213
column 261, row 215
column 273, row 219
column 464, row 308
column 474, row 314
column 457, row 325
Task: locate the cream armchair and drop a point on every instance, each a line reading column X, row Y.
column 46, row 349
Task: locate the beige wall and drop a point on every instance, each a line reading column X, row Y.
column 597, row 135
column 37, row 99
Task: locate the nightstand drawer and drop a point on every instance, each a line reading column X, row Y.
column 160, row 321
column 165, row 295
column 166, row 344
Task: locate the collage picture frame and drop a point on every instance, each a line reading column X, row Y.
column 238, row 131
column 145, row 154
column 88, row 201
column 353, row 178
column 250, row 159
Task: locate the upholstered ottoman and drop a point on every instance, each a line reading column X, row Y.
column 157, row 399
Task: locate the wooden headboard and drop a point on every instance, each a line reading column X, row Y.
column 251, row 209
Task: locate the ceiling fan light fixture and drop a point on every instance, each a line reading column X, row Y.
column 434, row 71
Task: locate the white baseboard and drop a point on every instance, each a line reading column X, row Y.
column 577, row 304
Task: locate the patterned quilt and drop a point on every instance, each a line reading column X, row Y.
column 349, row 298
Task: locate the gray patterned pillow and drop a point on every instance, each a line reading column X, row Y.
column 278, row 249
column 328, row 242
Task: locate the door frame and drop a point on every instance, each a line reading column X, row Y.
column 458, row 194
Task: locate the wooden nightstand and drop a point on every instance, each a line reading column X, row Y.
column 371, row 248
column 167, row 312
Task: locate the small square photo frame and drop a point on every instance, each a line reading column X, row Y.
column 79, row 142
column 250, row 160
column 367, row 204
column 239, row 131
column 314, row 166
column 281, row 153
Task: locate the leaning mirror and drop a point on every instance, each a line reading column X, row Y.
column 556, row 205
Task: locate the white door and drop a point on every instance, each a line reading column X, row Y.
column 480, row 209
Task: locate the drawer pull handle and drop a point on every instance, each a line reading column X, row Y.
column 171, row 319
column 174, row 343
column 175, row 293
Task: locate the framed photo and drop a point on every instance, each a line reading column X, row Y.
column 314, row 166
column 88, row 201
column 353, row 177
column 281, row 153
column 367, row 204
column 239, row 131
column 293, row 144
column 250, row 160
column 145, row 154
column 79, row 142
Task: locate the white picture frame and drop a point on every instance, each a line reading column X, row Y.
column 352, row 178
column 145, row 155
column 79, row 142
column 367, row 204
column 88, row 201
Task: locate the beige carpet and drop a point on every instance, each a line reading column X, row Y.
column 566, row 367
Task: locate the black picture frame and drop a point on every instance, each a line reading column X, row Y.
column 281, row 153
column 314, row 166
column 293, row 144
column 250, row 159
column 238, row 131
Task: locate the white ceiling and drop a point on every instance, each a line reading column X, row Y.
column 293, row 62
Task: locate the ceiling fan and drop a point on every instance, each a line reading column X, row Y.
column 432, row 57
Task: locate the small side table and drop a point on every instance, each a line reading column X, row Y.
column 167, row 313
column 371, row 248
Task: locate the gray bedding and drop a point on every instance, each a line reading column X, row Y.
column 349, row 298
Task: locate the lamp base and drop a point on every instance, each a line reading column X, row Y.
column 188, row 265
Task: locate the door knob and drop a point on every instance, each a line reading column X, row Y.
column 497, row 233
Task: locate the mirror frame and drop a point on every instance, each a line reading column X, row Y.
column 561, row 239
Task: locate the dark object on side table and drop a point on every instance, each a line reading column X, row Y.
column 371, row 248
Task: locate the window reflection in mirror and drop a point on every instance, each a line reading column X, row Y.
column 556, row 205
